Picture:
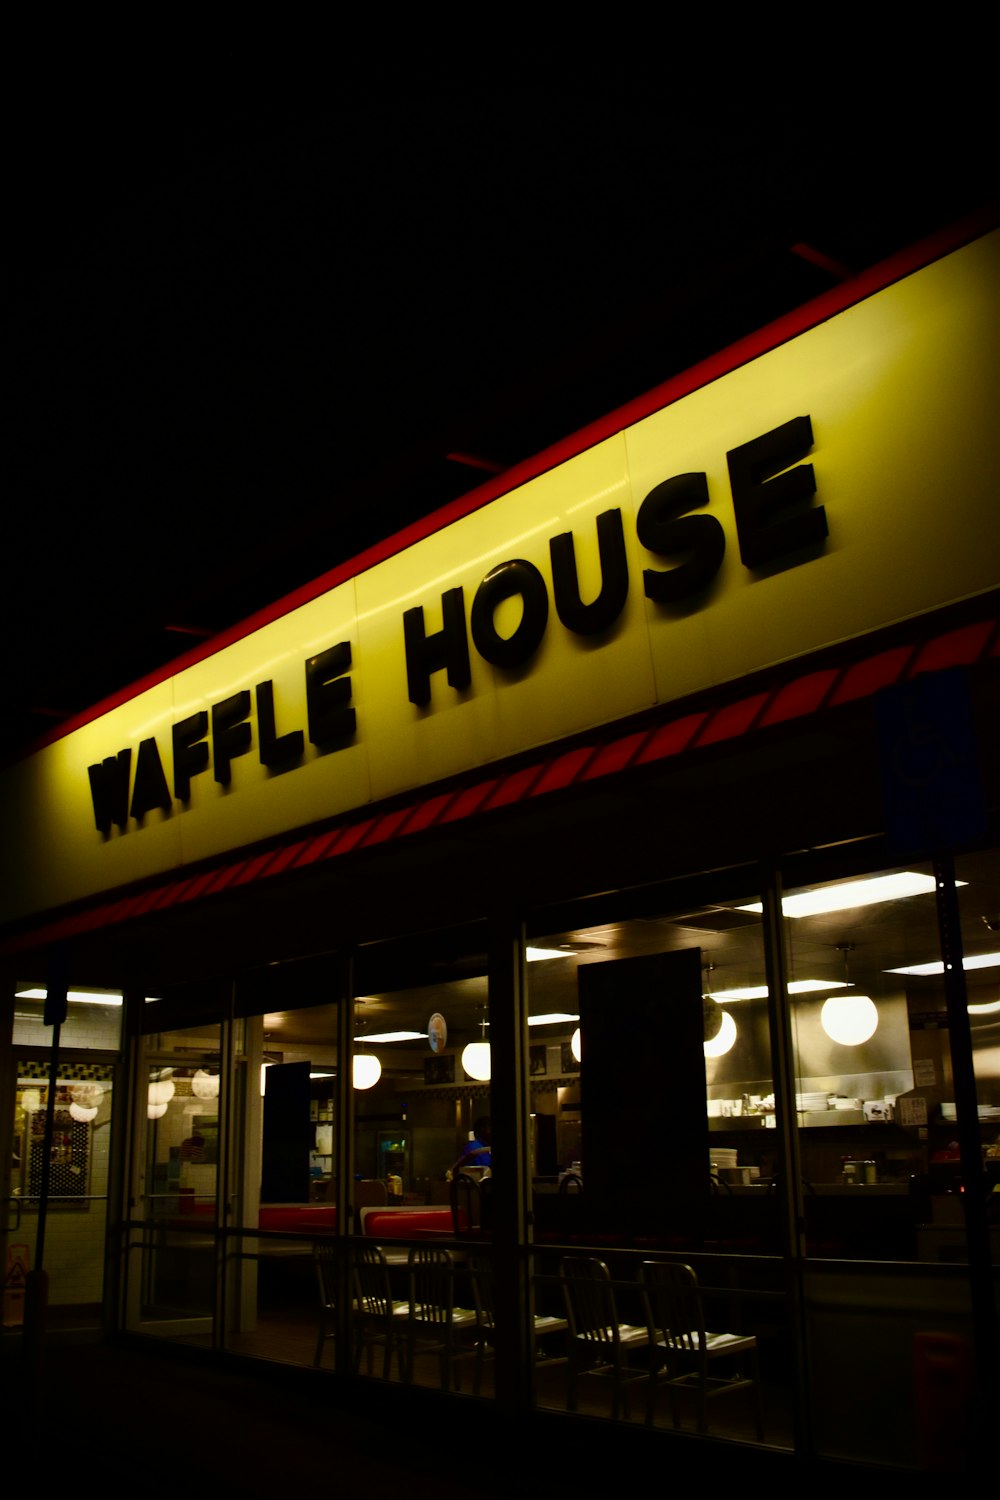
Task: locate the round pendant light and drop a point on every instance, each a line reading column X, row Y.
column 366, row 1069
column 574, row 1044
column 205, row 1085
column 849, row 1019
column 722, row 1042
column 477, row 1062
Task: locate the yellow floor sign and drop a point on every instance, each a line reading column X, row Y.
column 13, row 1285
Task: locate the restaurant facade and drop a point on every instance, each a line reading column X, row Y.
column 633, row 819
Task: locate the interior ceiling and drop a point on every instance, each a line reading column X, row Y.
column 857, row 945
column 249, row 342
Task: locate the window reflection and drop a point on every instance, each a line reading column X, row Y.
column 671, row 1101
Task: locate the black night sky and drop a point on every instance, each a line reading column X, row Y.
column 249, row 340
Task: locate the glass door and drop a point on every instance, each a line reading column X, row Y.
column 173, row 1281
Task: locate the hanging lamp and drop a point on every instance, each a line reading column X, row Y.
column 849, row 1019
column 366, row 1070
column 477, row 1057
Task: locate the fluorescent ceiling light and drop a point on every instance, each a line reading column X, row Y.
column 760, row 991
column 535, row 955
column 391, row 1036
column 852, row 893
column 78, row 997
column 975, row 961
column 322, row 1075
column 988, row 1008
column 551, row 1017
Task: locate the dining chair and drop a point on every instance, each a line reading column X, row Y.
column 676, row 1323
column 435, row 1324
column 378, row 1319
column 325, row 1257
column 465, row 1205
column 482, row 1281
column 598, row 1342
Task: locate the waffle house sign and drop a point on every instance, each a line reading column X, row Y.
column 833, row 483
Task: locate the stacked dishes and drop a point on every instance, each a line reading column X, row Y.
column 721, row 1158
column 811, row 1104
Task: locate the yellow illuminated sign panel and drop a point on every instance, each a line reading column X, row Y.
column 831, row 486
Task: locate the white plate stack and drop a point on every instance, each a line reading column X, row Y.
column 722, row 1156
column 812, row 1104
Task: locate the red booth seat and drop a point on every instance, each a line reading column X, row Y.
column 408, row 1224
column 295, row 1218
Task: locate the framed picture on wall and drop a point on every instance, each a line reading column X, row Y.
column 567, row 1062
column 440, row 1069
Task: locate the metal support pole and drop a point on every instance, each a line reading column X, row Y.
column 790, row 1196
column 984, row 1313
column 511, row 1177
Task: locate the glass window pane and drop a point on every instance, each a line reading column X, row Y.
column 77, row 1200
column 422, row 1134
column 172, row 1270
column 288, row 1069
column 93, row 1018
column 867, row 1067
column 652, row 1138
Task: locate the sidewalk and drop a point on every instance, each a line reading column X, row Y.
column 171, row 1420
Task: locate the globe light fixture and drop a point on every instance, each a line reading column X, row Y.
column 723, row 1040
column 205, row 1085
column 162, row 1089
column 366, row 1070
column 477, row 1062
column 574, row 1044
column 849, row 1019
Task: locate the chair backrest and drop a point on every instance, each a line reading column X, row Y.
column 465, row 1210
column 370, row 1192
column 325, row 1254
column 370, row 1276
column 673, row 1305
column 432, row 1284
column 590, row 1299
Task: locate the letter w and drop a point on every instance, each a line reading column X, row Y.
column 109, row 790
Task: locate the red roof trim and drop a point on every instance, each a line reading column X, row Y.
column 803, row 696
column 468, row 801
column 614, row 757
column 959, row 648
column 733, row 720
column 564, row 771
column 838, row 299
column 671, row 739
column 867, row 677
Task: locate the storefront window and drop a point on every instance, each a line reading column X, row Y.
column 172, row 1267
column 93, row 1018
column 285, row 1155
column 653, row 1141
column 978, row 892
column 75, row 1188
column 423, row 1156
column 881, row 1195
column 868, row 1066
column 65, row 1209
